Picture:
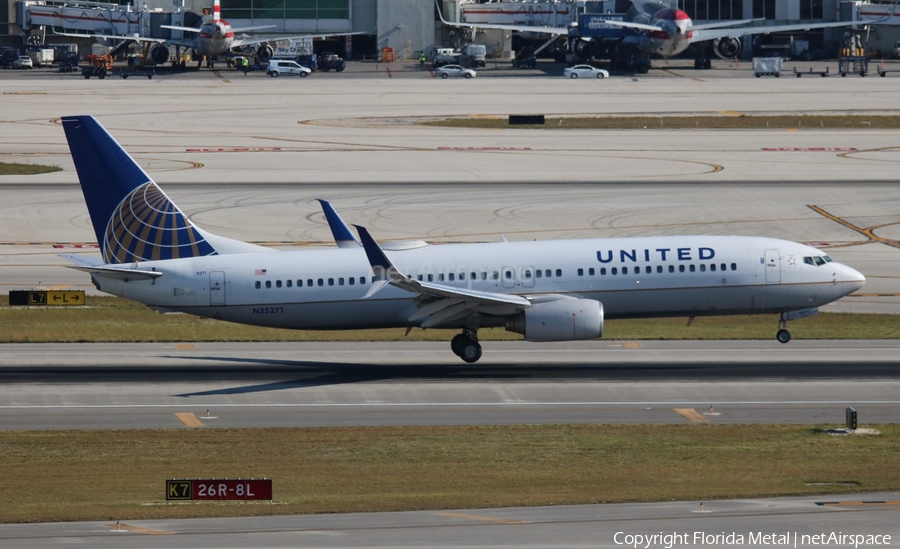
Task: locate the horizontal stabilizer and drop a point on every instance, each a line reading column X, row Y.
column 119, row 273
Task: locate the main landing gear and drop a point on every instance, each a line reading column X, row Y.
column 783, row 335
column 466, row 346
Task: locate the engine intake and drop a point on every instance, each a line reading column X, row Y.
column 727, row 48
column 264, row 52
column 159, row 54
column 560, row 320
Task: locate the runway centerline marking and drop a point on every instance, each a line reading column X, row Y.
column 691, row 415
column 484, row 519
column 189, row 419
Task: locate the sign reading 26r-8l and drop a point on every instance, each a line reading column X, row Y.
column 218, row 489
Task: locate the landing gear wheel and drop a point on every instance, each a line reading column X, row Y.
column 783, row 336
column 456, row 344
column 470, row 351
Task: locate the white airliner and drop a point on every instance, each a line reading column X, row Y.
column 661, row 29
column 559, row 290
column 214, row 37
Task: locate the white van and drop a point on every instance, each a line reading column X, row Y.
column 278, row 67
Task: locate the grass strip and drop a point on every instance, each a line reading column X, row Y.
column 109, row 475
column 115, row 320
column 680, row 122
column 7, row 168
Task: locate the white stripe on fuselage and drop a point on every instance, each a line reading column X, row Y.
column 741, row 287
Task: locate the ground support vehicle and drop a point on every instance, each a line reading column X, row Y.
column 8, row 56
column 768, row 66
column 68, row 65
column 823, row 74
column 98, row 65
column 853, row 65
column 331, row 61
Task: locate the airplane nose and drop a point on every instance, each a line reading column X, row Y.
column 853, row 279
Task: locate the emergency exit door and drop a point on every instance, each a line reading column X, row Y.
column 216, row 288
column 773, row 267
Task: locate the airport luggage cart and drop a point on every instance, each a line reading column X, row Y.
column 768, row 66
column 853, row 65
column 811, row 72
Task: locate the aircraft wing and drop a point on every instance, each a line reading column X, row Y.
column 442, row 304
column 273, row 39
column 720, row 24
column 167, row 41
column 631, row 25
column 712, row 34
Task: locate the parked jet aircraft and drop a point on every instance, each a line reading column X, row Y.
column 213, row 38
column 558, row 290
column 660, row 28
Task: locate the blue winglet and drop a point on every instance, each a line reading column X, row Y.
column 342, row 235
column 133, row 218
column 377, row 259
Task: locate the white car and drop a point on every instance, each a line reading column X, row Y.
column 585, row 71
column 23, row 62
column 454, row 70
column 284, row 67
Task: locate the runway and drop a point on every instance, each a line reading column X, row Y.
column 126, row 386
column 573, row 526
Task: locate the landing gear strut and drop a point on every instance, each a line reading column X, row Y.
column 466, row 346
column 783, row 335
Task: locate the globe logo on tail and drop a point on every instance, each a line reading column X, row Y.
column 147, row 226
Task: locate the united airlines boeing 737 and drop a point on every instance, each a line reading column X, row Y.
column 558, row 290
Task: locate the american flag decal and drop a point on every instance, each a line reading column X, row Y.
column 260, row 272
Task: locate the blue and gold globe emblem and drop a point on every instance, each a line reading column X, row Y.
column 147, row 226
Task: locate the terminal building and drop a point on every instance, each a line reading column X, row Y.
column 409, row 27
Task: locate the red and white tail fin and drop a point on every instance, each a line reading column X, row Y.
column 216, row 11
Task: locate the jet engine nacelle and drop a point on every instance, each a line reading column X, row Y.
column 264, row 52
column 159, row 54
column 583, row 48
column 560, row 320
column 727, row 48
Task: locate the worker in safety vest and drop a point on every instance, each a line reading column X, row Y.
column 245, row 65
column 421, row 59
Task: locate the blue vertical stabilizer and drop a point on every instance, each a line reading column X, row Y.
column 133, row 218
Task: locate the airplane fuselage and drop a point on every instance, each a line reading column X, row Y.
column 675, row 39
column 215, row 38
column 631, row 277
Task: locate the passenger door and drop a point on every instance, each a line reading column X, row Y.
column 773, row 267
column 216, row 288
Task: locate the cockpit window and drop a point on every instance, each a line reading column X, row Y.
column 817, row 260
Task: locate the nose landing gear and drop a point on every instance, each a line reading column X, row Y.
column 783, row 335
column 466, row 346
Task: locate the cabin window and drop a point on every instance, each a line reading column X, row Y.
column 558, row 272
column 712, row 267
column 289, row 283
column 547, row 273
column 591, row 271
column 258, row 284
column 496, row 275
column 637, row 270
column 702, row 267
column 527, row 274
column 508, row 275
column 671, row 268
column 441, row 277
column 352, row 281
column 538, row 273
column 580, row 272
column 624, row 270
column 602, row 271
column 278, row 284
column 659, row 269
column 734, row 266
column 309, row 282
column 321, row 282
column 331, row 282
column 693, row 268
column 430, row 278
column 299, row 282
column 681, row 268
column 341, row 281
column 268, row 283
column 451, row 277
column 473, row 276
column 614, row 270
column 724, row 267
